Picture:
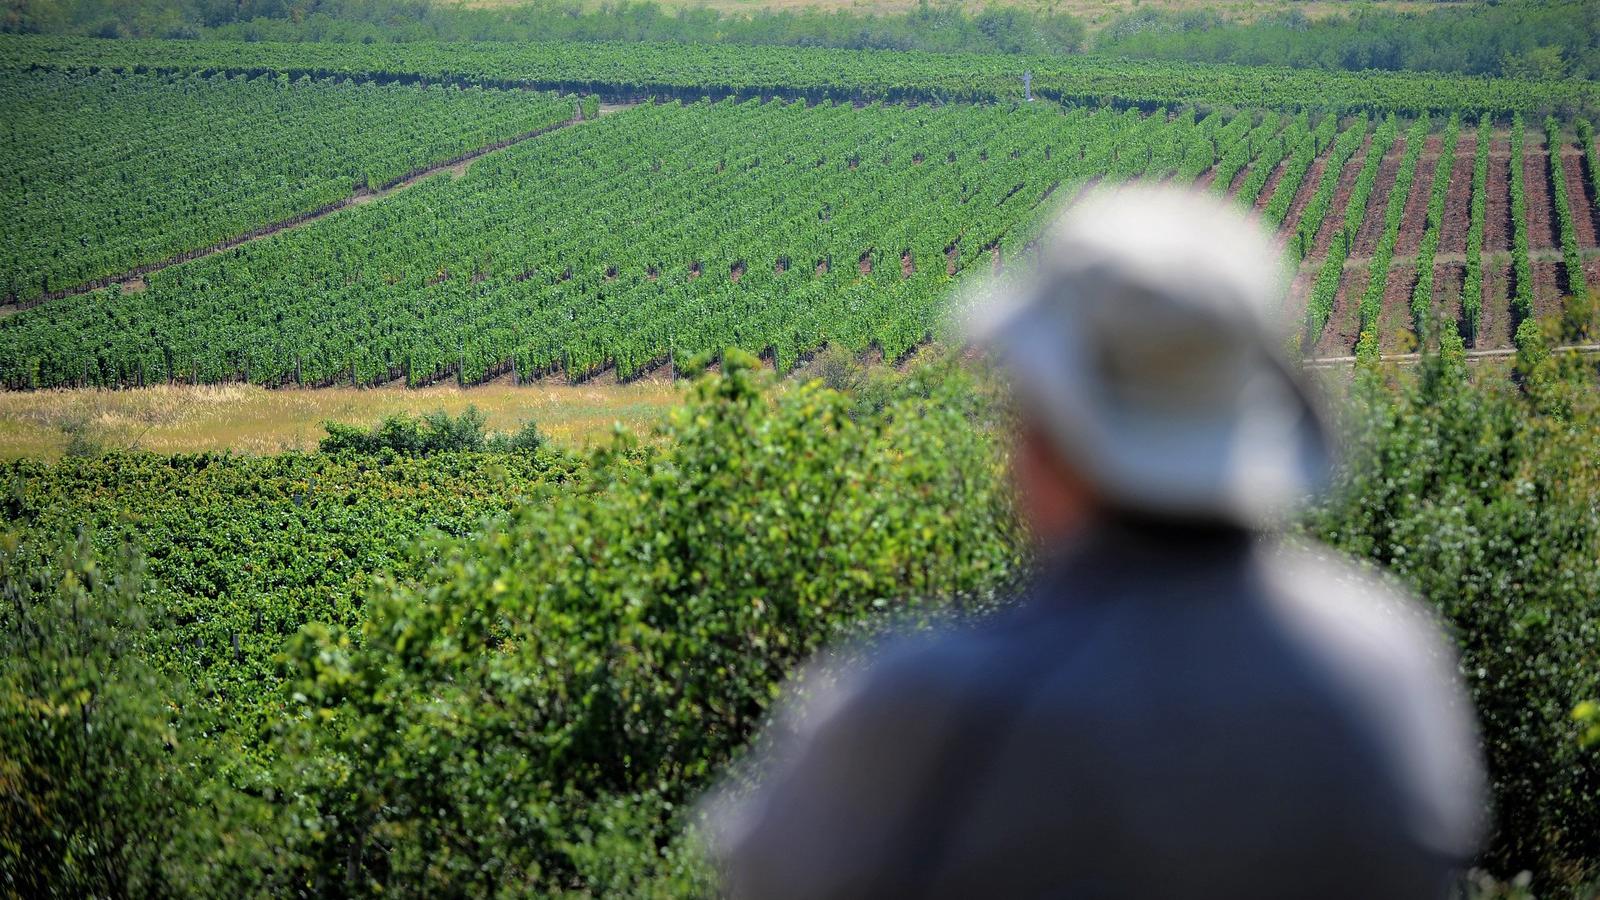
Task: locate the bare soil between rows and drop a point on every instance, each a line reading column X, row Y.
column 1372, row 224
column 1458, row 199
column 1578, row 194
column 1536, row 185
column 1497, row 196
column 1414, row 217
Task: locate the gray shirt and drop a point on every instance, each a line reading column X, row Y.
column 1168, row 714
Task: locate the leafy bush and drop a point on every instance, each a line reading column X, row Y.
column 528, row 708
column 570, row 678
column 435, row 432
column 93, row 787
column 1482, row 497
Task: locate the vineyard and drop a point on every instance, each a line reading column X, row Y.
column 670, row 230
column 180, row 163
column 692, row 71
column 421, row 661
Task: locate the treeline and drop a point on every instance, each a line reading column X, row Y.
column 939, row 28
column 1520, row 38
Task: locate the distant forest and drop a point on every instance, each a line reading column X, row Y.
column 1523, row 38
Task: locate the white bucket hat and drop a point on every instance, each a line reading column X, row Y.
column 1143, row 341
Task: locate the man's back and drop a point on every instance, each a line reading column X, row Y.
column 1168, row 714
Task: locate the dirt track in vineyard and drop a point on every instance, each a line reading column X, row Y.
column 1271, row 185
column 1448, row 279
column 1308, row 189
column 1344, row 324
column 1495, row 328
column 1458, row 201
column 1497, row 196
column 1394, row 318
column 1414, row 219
column 1583, row 205
column 1372, row 225
column 1536, row 181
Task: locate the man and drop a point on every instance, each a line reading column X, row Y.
column 1179, row 706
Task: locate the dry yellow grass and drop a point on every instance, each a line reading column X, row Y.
column 247, row 419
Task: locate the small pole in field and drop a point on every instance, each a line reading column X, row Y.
column 1027, row 86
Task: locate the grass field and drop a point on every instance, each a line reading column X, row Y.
column 249, row 419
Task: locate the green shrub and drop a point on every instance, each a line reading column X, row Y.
column 93, row 785
column 1482, row 497
column 572, row 677
column 435, row 432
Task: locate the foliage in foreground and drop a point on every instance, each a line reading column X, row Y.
column 533, row 709
column 435, row 432
column 1486, row 500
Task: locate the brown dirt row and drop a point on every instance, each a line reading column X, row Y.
column 1344, row 324
column 1372, row 226
column 1308, row 188
column 1578, row 194
column 1536, row 181
column 1271, row 185
column 1549, row 279
column 1495, row 329
column 1497, row 196
column 1394, row 317
column 1458, row 200
column 1448, row 279
column 1300, row 287
column 1341, row 201
column 1237, row 182
column 1414, row 217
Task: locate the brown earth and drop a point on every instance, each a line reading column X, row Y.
column 1344, row 323
column 1395, row 334
column 1536, row 181
column 1495, row 324
column 1341, row 201
column 1414, row 218
column 1583, row 205
column 1548, row 281
column 1271, row 185
column 1308, row 189
column 1448, row 279
column 1497, row 190
column 907, row 266
column 1237, row 182
column 1458, row 199
column 1372, row 225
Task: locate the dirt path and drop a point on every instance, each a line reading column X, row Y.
column 1406, row 358
column 1344, row 323
column 1372, row 225
column 1414, row 218
column 1495, row 326
column 1536, row 181
column 1272, row 184
column 1395, row 333
column 1578, row 194
column 1497, row 196
column 133, row 279
column 1458, row 200
column 1302, row 197
column 1448, row 280
column 1300, row 288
